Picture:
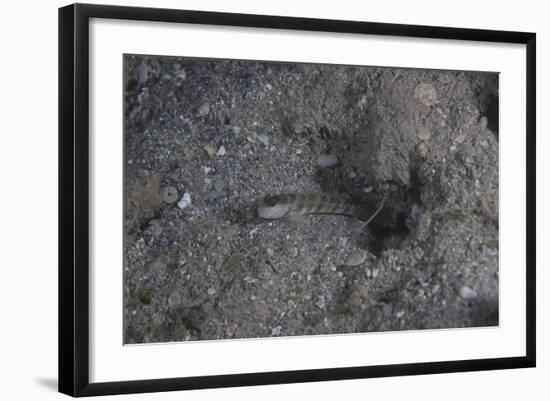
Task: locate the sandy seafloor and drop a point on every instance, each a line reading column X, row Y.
column 205, row 139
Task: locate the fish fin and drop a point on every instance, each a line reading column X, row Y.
column 298, row 220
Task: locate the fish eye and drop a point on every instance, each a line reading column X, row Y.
column 271, row 200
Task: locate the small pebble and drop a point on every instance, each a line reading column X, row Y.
column 423, row 133
column 204, row 110
column 362, row 102
column 157, row 266
column 171, row 234
column 210, row 150
column 142, row 73
column 211, row 291
column 422, row 149
column 426, row 94
column 483, row 123
column 400, row 314
column 324, row 161
column 321, row 302
column 418, row 253
column 174, row 175
column 467, row 293
column 356, row 258
column 169, row 194
column 276, row 331
column 174, row 300
column 182, row 75
column 229, row 331
column 219, row 185
column 460, row 138
column 363, row 291
column 188, row 154
column 185, row 201
column 236, row 130
column 221, row 151
column 270, row 252
column 155, row 227
column 263, row 138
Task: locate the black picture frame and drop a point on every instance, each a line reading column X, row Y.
column 74, row 198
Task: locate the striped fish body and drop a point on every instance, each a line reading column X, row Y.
column 290, row 205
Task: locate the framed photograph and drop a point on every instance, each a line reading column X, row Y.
column 251, row 199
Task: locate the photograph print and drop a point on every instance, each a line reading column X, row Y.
column 274, row 199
